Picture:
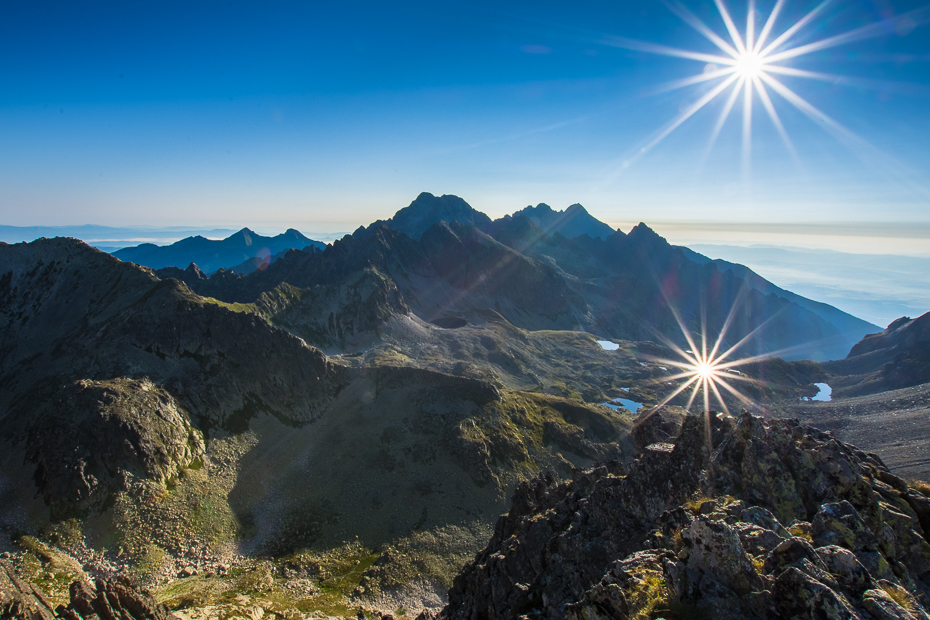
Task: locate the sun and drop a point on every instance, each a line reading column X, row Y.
column 751, row 64
column 709, row 369
column 705, row 371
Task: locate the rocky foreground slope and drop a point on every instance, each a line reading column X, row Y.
column 106, row 600
column 738, row 518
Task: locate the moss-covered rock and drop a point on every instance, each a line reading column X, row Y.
column 702, row 527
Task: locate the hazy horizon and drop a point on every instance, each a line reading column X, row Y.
column 902, row 239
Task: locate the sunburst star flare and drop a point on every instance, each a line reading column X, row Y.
column 747, row 64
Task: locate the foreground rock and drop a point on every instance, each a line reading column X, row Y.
column 109, row 600
column 777, row 520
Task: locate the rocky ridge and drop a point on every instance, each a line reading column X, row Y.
column 736, row 518
column 572, row 222
column 897, row 357
column 621, row 287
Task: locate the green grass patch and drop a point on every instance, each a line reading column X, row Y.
column 234, row 307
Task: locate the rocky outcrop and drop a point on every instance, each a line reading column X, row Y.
column 108, row 600
column 344, row 315
column 20, row 600
column 92, row 435
column 112, row 600
column 738, row 518
column 660, row 425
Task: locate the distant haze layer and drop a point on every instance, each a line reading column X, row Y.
column 899, row 238
column 110, row 238
column 876, row 287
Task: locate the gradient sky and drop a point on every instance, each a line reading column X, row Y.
column 324, row 116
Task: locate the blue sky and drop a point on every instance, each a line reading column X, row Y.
column 324, row 116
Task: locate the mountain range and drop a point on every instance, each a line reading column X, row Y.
column 441, row 259
column 213, row 254
column 343, row 425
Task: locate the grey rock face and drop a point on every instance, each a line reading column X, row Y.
column 69, row 312
column 112, row 600
column 92, row 434
column 108, row 600
column 775, row 520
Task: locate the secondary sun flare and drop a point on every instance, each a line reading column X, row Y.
column 709, row 369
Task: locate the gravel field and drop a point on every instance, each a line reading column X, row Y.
column 895, row 425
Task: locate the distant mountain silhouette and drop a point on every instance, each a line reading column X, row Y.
column 210, row 254
column 572, row 222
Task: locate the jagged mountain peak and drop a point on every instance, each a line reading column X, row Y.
column 572, row 222
column 642, row 231
column 646, row 242
column 428, row 209
column 195, row 271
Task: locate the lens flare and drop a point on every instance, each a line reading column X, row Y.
column 748, row 64
column 710, row 370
